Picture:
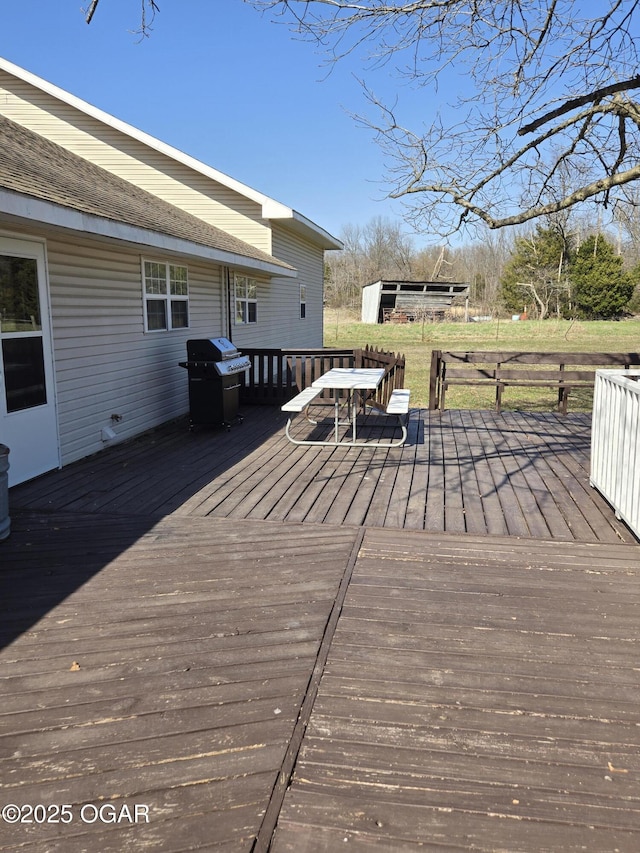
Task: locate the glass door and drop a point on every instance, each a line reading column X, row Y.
column 28, row 423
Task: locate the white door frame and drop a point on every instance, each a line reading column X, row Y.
column 32, row 434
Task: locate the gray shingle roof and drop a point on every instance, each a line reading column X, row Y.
column 37, row 167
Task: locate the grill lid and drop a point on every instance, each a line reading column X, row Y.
column 214, row 357
column 211, row 349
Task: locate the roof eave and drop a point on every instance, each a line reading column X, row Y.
column 34, row 210
column 298, row 223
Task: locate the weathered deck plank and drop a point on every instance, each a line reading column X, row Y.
column 461, row 472
column 169, row 605
column 490, row 496
column 158, row 662
column 477, row 698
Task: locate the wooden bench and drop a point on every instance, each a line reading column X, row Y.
column 561, row 371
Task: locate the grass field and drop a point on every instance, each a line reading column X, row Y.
column 416, row 340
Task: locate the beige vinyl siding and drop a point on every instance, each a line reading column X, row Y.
column 279, row 323
column 254, row 334
column 105, row 363
column 308, row 259
column 132, row 160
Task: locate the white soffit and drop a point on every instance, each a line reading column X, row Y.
column 29, row 209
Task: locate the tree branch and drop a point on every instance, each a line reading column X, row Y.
column 580, row 195
column 145, row 25
column 574, row 103
column 91, row 10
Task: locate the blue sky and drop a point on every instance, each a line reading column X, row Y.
column 223, row 83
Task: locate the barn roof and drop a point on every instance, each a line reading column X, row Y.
column 392, row 286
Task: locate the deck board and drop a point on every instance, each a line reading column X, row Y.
column 440, row 638
column 466, row 705
column 460, row 472
column 155, row 661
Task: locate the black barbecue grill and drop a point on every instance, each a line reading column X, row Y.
column 214, row 366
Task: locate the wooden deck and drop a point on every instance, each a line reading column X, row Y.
column 163, row 664
column 477, row 696
column 300, row 649
column 517, row 474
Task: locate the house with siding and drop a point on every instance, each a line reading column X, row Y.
column 115, row 249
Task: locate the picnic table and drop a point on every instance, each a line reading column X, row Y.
column 353, row 380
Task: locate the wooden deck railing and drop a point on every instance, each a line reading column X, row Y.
column 277, row 375
column 563, row 371
column 393, row 364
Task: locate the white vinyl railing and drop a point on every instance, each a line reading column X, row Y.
column 615, row 442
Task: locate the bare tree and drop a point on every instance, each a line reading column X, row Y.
column 343, row 271
column 553, row 94
column 482, row 264
column 148, row 9
column 627, row 219
column 387, row 249
column 377, row 250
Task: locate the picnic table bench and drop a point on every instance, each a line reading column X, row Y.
column 561, row 371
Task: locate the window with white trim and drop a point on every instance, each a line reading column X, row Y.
column 166, row 296
column 246, row 298
column 303, row 301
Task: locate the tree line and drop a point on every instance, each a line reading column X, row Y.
column 552, row 269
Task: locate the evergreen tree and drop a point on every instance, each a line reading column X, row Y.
column 600, row 287
column 536, row 274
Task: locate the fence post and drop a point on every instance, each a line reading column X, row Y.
column 400, row 366
column 434, row 374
